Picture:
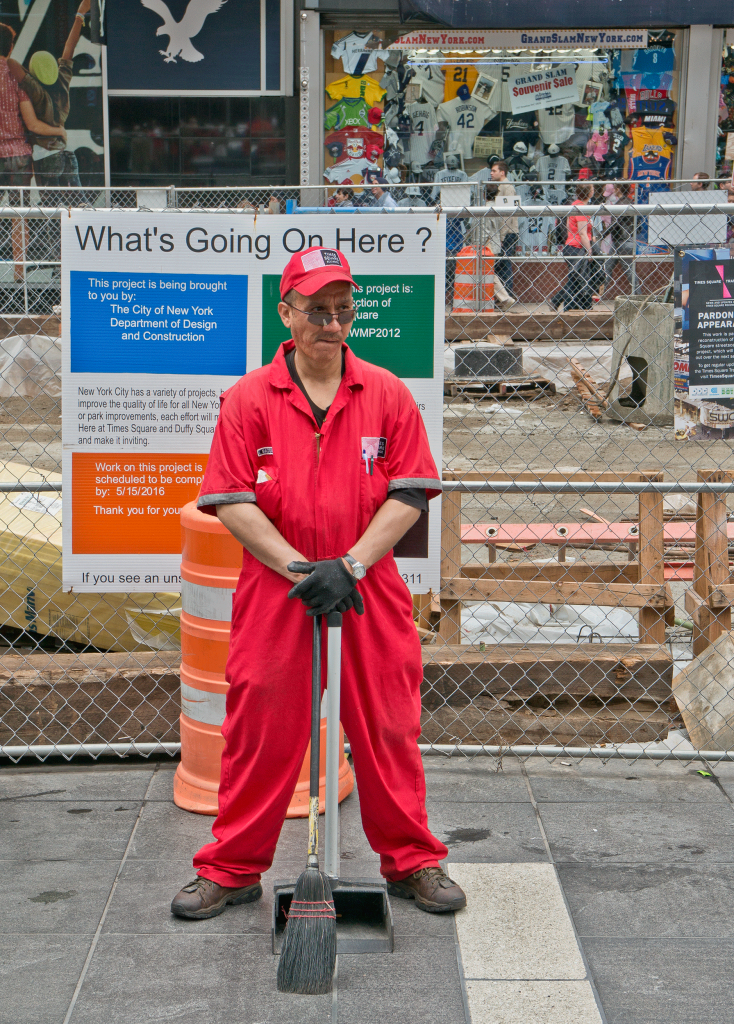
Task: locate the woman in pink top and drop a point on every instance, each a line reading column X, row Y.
column 16, row 114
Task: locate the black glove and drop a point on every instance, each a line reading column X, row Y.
column 329, row 587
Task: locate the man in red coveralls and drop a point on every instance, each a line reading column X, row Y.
column 319, row 464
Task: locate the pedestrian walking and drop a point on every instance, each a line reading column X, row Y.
column 576, row 293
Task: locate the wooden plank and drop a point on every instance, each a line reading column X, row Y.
column 604, row 594
column 711, row 561
column 651, row 556
column 627, row 572
column 450, row 622
column 457, row 674
column 549, row 475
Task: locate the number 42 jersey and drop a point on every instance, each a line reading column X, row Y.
column 465, row 118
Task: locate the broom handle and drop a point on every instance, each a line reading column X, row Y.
column 333, row 685
column 313, row 790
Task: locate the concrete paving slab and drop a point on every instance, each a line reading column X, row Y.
column 165, row 831
column 191, row 979
column 56, row 896
column 651, row 899
column 65, row 830
column 488, row 833
column 72, row 784
column 577, row 786
column 161, row 788
column 142, row 904
column 630, row 833
column 38, row 974
column 474, row 782
column 663, row 981
column 515, row 924
column 419, row 983
column 542, row 1002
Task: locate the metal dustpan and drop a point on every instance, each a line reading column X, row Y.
column 363, row 916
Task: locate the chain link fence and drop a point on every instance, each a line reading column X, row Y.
column 586, row 582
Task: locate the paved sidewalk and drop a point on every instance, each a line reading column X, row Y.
column 597, row 893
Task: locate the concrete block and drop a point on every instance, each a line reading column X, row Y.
column 482, row 359
column 643, row 335
column 704, row 692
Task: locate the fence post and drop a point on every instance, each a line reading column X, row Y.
column 651, row 553
column 450, row 622
column 711, row 564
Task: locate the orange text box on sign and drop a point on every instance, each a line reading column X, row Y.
column 130, row 504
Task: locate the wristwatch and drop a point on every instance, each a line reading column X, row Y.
column 359, row 571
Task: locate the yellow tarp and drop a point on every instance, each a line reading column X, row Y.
column 30, row 571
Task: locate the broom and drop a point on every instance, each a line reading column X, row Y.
column 308, row 957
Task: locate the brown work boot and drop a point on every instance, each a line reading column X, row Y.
column 432, row 890
column 203, row 898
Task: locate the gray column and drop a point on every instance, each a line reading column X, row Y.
column 697, row 134
column 311, row 87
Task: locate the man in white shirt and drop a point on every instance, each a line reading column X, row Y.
column 509, row 228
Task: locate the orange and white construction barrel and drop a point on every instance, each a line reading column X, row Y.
column 211, row 560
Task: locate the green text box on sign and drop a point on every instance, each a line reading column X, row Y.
column 393, row 328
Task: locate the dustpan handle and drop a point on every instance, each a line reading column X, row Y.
column 333, row 686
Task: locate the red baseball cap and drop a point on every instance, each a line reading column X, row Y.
column 313, row 268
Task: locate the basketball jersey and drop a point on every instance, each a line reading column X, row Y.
column 423, row 124
column 556, row 124
column 641, row 170
column 645, row 140
column 654, row 59
column 456, row 75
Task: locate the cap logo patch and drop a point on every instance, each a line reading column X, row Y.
column 320, row 258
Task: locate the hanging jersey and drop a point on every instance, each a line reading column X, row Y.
column 452, row 194
column 430, row 81
column 357, row 143
column 464, row 118
column 349, row 172
column 357, row 52
column 556, row 124
column 656, row 112
column 534, row 233
column 423, row 124
column 654, row 58
column 599, row 117
column 641, row 169
column 649, row 140
column 552, row 169
column 347, row 114
column 456, row 75
column 350, row 87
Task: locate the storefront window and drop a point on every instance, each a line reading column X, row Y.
column 428, row 117
column 183, row 141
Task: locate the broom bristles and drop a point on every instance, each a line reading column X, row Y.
column 308, row 957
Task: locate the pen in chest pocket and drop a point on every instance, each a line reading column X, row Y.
column 373, row 448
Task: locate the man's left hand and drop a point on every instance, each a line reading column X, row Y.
column 328, row 587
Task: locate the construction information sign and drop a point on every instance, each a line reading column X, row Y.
column 162, row 312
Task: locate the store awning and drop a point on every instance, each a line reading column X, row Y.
column 567, row 13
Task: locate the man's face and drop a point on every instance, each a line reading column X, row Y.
column 318, row 344
column 696, row 185
column 497, row 174
column 376, row 191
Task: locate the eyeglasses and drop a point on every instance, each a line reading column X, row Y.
column 322, row 319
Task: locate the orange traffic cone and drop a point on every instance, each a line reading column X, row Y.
column 465, row 280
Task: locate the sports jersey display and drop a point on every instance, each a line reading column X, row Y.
column 656, row 112
column 347, row 114
column 552, row 169
column 642, row 168
column 654, row 59
column 456, row 75
column 464, row 118
column 349, row 172
column 534, row 231
column 357, row 52
column 350, row 87
column 423, row 124
column 556, row 124
column 430, row 81
column 357, row 142
column 649, row 140
column 598, row 113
